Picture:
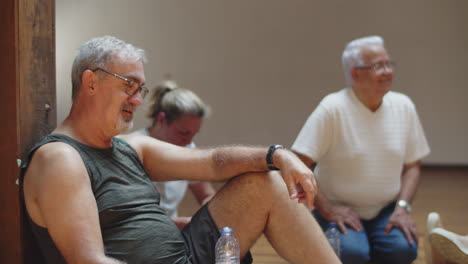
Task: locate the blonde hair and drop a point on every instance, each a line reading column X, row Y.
column 175, row 101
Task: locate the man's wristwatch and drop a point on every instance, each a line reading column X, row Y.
column 404, row 204
column 269, row 156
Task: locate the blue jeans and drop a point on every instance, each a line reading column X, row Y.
column 372, row 243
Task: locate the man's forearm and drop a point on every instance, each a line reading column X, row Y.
column 232, row 161
column 409, row 181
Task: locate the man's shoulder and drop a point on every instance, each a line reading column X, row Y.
column 397, row 95
column 143, row 131
column 54, row 161
column 50, row 152
column 336, row 99
column 56, row 151
column 138, row 143
column 336, row 95
column 133, row 139
column 399, row 98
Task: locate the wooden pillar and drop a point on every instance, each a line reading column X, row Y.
column 10, row 245
column 28, row 105
column 37, row 102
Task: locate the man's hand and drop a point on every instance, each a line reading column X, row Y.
column 343, row 216
column 403, row 220
column 298, row 177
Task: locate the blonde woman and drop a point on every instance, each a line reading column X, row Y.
column 177, row 115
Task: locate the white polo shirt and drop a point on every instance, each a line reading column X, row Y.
column 359, row 153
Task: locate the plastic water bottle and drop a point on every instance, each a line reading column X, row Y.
column 333, row 236
column 227, row 249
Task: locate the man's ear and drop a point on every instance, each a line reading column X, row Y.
column 88, row 80
column 355, row 74
column 161, row 118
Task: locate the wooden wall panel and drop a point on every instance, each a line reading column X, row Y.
column 37, row 70
column 37, row 100
column 27, row 71
column 10, row 245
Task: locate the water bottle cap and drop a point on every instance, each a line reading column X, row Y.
column 331, row 224
column 226, row 230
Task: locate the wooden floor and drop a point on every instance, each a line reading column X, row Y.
column 444, row 190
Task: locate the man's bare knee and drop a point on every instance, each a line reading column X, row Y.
column 262, row 184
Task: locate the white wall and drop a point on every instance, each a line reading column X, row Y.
column 263, row 65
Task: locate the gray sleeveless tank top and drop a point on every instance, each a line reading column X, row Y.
column 135, row 229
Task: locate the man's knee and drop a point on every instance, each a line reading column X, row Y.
column 355, row 254
column 355, row 247
column 252, row 188
column 401, row 252
column 258, row 182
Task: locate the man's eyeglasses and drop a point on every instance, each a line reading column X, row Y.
column 132, row 86
column 378, row 67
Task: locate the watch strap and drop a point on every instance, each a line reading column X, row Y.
column 404, row 204
column 269, row 156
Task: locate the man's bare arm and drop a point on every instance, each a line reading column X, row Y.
column 164, row 161
column 409, row 181
column 401, row 218
column 59, row 198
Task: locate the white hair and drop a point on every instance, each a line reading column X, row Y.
column 352, row 54
column 99, row 52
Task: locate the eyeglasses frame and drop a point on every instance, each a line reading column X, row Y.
column 142, row 89
column 375, row 66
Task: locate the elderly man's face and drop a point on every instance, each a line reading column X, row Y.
column 119, row 107
column 379, row 78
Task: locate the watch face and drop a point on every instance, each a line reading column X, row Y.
column 404, row 204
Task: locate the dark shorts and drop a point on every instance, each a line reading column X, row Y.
column 200, row 237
